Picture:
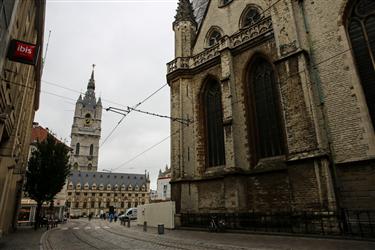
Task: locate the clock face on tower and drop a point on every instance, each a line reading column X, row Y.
column 87, row 119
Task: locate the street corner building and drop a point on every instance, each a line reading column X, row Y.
column 278, row 103
column 21, row 43
column 94, row 193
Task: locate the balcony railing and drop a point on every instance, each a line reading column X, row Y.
column 246, row 35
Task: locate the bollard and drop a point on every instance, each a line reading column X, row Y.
column 145, row 226
column 128, row 222
column 160, row 228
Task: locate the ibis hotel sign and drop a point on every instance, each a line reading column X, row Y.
column 23, row 52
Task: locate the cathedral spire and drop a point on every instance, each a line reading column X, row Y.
column 91, row 84
column 185, row 12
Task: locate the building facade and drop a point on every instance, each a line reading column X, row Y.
column 280, row 98
column 19, row 99
column 94, row 193
column 163, row 186
column 86, row 130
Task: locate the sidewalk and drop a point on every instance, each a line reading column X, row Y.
column 22, row 239
column 261, row 241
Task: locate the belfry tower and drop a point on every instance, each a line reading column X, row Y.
column 86, row 130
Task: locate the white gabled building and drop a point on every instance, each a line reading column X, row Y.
column 163, row 185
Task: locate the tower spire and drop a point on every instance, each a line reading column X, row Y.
column 91, row 84
column 185, row 12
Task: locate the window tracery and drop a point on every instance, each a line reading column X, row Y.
column 250, row 17
column 361, row 30
column 213, row 114
column 213, row 36
column 264, row 104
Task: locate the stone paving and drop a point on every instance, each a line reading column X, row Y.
column 99, row 234
column 25, row 238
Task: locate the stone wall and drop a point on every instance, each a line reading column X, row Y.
column 324, row 115
column 357, row 185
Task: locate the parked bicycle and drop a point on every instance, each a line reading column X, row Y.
column 216, row 225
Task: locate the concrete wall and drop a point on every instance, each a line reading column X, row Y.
column 157, row 213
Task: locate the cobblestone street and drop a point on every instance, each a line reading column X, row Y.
column 98, row 234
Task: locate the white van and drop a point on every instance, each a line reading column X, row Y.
column 131, row 213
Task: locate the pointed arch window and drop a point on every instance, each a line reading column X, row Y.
column 91, row 149
column 361, row 30
column 266, row 129
column 213, row 114
column 77, row 148
column 213, row 36
column 250, row 16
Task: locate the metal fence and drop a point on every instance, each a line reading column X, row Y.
column 322, row 222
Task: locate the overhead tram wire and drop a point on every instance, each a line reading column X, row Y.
column 125, row 114
column 129, row 109
column 73, row 90
column 79, row 92
column 145, row 151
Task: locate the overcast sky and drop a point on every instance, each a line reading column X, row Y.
column 130, row 41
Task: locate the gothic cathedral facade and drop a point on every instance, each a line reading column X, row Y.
column 86, row 130
column 280, row 95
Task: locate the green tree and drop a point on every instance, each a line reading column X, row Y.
column 47, row 171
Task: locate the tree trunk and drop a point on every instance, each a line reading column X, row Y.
column 37, row 215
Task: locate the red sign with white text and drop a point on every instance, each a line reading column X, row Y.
column 23, row 52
